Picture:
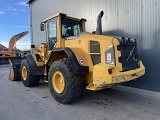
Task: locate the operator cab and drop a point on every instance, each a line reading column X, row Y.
column 60, row 27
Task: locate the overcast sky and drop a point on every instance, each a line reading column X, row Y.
column 14, row 18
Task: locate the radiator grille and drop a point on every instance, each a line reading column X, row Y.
column 129, row 54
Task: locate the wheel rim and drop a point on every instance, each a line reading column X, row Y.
column 58, row 82
column 24, row 73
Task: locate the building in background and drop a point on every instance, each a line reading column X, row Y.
column 129, row 18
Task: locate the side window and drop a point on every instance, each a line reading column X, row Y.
column 52, row 33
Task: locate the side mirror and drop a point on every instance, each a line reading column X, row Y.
column 93, row 32
column 42, row 25
column 32, row 46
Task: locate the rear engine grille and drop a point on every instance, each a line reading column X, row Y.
column 129, row 54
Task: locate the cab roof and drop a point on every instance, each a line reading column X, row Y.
column 62, row 14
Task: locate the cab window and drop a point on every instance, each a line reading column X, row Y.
column 71, row 27
column 52, row 34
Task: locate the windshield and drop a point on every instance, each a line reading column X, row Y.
column 71, row 27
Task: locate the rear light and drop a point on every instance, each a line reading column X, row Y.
column 110, row 71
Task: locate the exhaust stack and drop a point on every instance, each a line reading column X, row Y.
column 99, row 23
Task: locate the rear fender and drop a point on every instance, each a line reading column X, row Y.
column 36, row 63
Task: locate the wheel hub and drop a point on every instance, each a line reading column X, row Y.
column 24, row 73
column 58, row 82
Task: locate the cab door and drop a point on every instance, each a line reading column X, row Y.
column 52, row 33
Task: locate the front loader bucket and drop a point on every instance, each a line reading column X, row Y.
column 14, row 72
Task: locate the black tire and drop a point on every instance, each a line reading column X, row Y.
column 74, row 84
column 31, row 80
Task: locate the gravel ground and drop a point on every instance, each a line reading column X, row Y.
column 36, row 103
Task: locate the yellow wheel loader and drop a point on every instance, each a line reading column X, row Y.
column 71, row 58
